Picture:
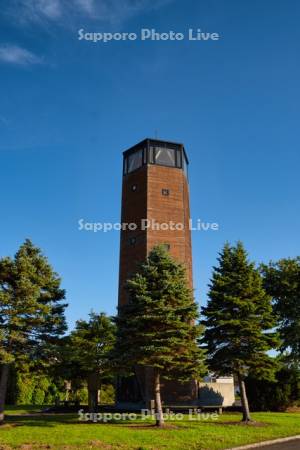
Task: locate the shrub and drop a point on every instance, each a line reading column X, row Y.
column 275, row 395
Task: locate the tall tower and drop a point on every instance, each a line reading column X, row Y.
column 155, row 192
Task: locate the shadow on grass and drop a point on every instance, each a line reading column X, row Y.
column 44, row 420
column 51, row 421
column 39, row 420
column 243, row 424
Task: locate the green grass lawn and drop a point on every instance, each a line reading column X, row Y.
column 66, row 432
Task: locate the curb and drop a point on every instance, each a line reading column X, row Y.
column 261, row 444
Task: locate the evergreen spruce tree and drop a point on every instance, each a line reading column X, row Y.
column 88, row 350
column 282, row 281
column 31, row 312
column 157, row 327
column 238, row 321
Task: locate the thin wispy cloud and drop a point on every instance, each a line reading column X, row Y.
column 4, row 120
column 30, row 11
column 51, row 9
column 67, row 12
column 13, row 54
column 87, row 6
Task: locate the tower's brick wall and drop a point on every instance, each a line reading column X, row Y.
column 173, row 207
column 134, row 209
column 148, row 202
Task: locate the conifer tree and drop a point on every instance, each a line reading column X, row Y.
column 156, row 328
column 31, row 312
column 282, row 281
column 88, row 350
column 239, row 321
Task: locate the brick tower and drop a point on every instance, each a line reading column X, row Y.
column 154, row 192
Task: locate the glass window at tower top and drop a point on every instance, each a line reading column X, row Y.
column 165, row 156
column 135, row 161
column 155, row 154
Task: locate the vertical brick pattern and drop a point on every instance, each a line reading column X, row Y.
column 148, row 202
column 171, row 208
column 134, row 209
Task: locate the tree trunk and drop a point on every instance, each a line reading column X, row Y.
column 93, row 388
column 93, row 400
column 244, row 400
column 3, row 389
column 99, row 396
column 158, row 407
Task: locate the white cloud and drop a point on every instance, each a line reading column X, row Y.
column 87, row 6
column 12, row 54
column 67, row 12
column 50, row 8
column 35, row 11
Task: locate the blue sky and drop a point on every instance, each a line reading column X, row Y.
column 68, row 109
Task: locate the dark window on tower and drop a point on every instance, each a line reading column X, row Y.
column 145, row 156
column 165, row 192
column 135, row 160
column 185, row 166
column 125, row 166
column 132, row 241
column 152, row 155
column 178, row 159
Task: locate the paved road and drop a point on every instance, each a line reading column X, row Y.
column 290, row 445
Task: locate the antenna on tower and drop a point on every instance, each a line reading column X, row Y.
column 155, row 134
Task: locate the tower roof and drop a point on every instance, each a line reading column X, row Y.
column 156, row 143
